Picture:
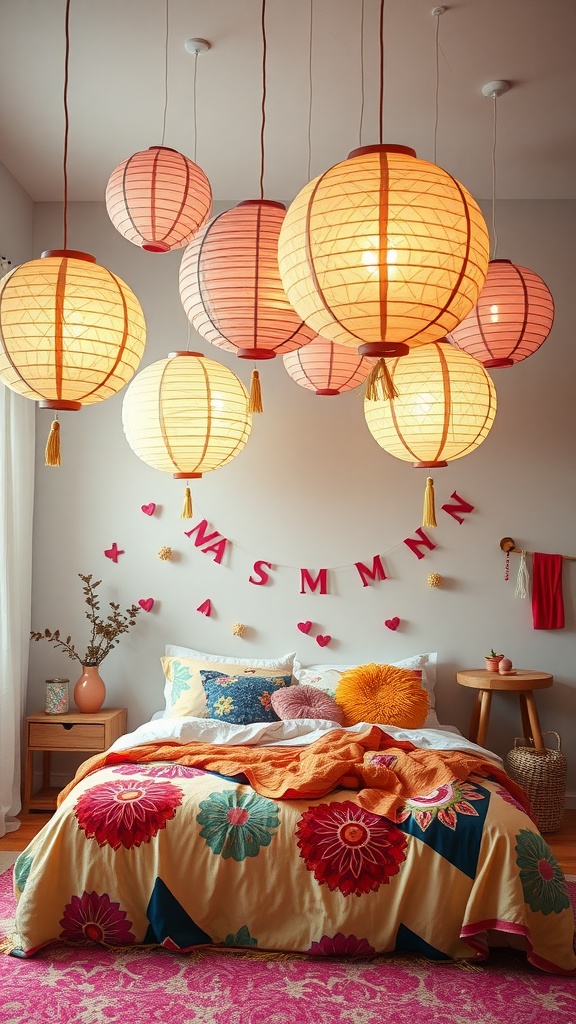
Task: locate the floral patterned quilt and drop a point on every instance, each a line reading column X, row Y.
column 167, row 853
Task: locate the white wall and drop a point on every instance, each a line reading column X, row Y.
column 312, row 488
column 16, row 217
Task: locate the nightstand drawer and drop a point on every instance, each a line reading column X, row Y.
column 66, row 735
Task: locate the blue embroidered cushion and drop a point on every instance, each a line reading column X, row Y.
column 241, row 699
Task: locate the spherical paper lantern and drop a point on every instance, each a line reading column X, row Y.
column 327, row 368
column 71, row 332
column 230, row 284
column 512, row 318
column 383, row 252
column 186, row 415
column 158, row 199
column 445, row 407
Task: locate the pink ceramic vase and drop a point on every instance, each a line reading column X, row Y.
column 89, row 691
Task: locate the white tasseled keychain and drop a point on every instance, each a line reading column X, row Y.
column 523, row 581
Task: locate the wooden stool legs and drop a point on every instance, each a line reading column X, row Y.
column 528, row 712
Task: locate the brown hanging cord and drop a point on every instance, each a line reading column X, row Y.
column 379, row 383
column 52, row 453
column 255, row 398
column 66, row 121
column 381, row 97
column 429, row 512
column 187, row 507
column 263, row 99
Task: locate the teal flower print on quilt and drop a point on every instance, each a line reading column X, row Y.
column 179, row 676
column 237, row 825
column 241, row 938
column 543, row 882
column 22, row 870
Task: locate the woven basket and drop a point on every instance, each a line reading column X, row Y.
column 542, row 775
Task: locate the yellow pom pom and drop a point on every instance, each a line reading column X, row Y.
column 435, row 579
column 238, row 629
column 165, row 553
column 383, row 695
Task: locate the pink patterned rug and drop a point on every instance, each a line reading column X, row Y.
column 62, row 985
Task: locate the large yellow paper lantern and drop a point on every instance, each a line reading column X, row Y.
column 445, row 407
column 158, row 199
column 186, row 415
column 327, row 368
column 71, row 332
column 383, row 252
column 512, row 318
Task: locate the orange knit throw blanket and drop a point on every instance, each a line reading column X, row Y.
column 383, row 771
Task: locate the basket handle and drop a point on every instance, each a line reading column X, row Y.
column 524, row 742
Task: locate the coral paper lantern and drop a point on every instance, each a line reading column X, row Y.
column 158, row 199
column 445, row 407
column 71, row 332
column 327, row 368
column 186, row 415
column 230, row 284
column 383, row 252
column 512, row 318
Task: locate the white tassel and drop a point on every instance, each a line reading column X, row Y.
column 523, row 582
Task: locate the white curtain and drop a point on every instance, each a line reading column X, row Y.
column 16, row 507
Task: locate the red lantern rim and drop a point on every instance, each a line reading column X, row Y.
column 61, row 404
column 261, row 202
column 327, row 391
column 155, row 247
column 172, row 355
column 429, row 465
column 387, row 148
column 187, row 476
column 494, row 364
column 169, row 149
column 70, row 254
column 383, row 348
column 255, row 353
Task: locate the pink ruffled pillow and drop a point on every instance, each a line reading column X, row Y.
column 306, row 702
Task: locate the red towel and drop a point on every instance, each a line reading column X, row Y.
column 547, row 601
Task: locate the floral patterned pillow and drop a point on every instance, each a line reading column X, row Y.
column 241, row 699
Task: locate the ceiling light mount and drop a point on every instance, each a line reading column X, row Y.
column 196, row 46
column 437, row 11
column 495, row 89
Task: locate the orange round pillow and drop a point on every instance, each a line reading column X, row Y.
column 383, row 695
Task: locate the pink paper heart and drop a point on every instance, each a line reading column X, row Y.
column 113, row 552
column 323, row 641
column 392, row 623
column 146, row 603
column 149, row 510
column 305, row 627
column 205, row 608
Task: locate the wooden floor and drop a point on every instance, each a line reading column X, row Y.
column 562, row 843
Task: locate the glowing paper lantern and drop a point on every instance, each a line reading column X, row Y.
column 158, row 199
column 71, row 332
column 326, row 368
column 512, row 318
column 383, row 252
column 186, row 415
column 230, row 284
column 445, row 407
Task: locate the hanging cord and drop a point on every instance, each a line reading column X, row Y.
column 263, row 125
column 523, row 580
column 165, row 79
column 194, row 108
column 66, row 121
column 494, row 134
column 437, row 12
column 361, row 75
column 310, row 38
column 381, row 98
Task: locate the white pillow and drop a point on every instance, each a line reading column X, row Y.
column 286, row 662
column 327, row 677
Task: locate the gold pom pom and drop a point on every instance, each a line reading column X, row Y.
column 238, row 629
column 435, row 579
column 165, row 554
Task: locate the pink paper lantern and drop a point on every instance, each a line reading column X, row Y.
column 158, row 199
column 513, row 316
column 327, row 368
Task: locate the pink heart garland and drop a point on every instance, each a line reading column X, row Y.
column 305, row 627
column 149, row 510
column 392, row 623
column 323, row 641
column 113, row 552
column 147, row 603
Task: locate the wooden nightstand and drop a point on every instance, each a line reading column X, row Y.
column 74, row 731
column 522, row 683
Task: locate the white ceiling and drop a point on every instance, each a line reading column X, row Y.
column 117, row 91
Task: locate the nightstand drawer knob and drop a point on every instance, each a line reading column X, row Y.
column 67, row 725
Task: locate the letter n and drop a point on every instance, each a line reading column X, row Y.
column 415, row 545
column 461, row 506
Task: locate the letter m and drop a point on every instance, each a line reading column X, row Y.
column 307, row 580
column 375, row 573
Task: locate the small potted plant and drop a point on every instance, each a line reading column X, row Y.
column 493, row 660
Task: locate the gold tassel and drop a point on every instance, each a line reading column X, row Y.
column 429, row 513
column 379, row 379
column 187, row 509
column 52, row 455
column 255, row 399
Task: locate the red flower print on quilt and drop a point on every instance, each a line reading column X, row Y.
column 127, row 812
column 349, row 848
column 93, row 917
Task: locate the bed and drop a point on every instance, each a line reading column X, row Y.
column 300, row 835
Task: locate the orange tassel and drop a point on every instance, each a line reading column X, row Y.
column 429, row 513
column 52, row 454
column 255, row 399
column 187, row 509
column 379, row 383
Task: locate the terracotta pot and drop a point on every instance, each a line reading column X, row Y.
column 89, row 691
column 493, row 663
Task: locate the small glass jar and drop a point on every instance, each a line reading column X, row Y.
column 57, row 700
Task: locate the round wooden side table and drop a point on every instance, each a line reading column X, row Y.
column 523, row 684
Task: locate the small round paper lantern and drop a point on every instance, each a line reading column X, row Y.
column 230, row 284
column 383, row 252
column 71, row 332
column 158, row 199
column 445, row 407
column 327, row 368
column 186, row 415
column 512, row 318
